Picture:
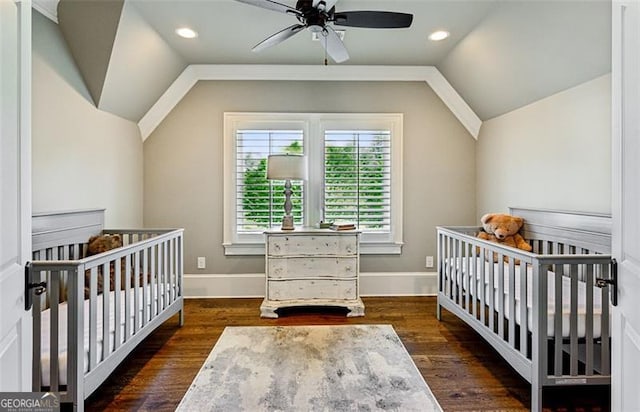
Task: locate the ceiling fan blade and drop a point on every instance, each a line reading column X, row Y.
column 279, row 37
column 333, row 45
column 373, row 19
column 272, row 5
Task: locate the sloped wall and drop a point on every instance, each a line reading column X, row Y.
column 554, row 153
column 82, row 157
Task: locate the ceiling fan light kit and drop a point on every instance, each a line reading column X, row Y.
column 316, row 16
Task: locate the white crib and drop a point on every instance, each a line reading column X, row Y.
column 565, row 280
column 73, row 349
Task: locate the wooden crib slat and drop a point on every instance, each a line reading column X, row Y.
column 447, row 272
column 501, row 295
column 93, row 319
column 524, row 297
column 152, row 286
column 557, row 321
column 492, row 292
column 136, row 293
column 165, row 272
column 172, row 270
column 589, row 320
column 54, row 331
column 473, row 279
column 117, row 304
column 145, row 271
column 105, row 310
column 467, row 276
column 455, row 270
column 128, row 309
column 180, row 274
column 159, row 276
column 75, row 336
column 445, row 264
column 49, row 253
column 176, row 270
column 62, row 284
column 573, row 321
column 511, row 301
column 482, row 285
column 539, row 351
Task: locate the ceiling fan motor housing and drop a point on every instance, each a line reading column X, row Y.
column 315, row 15
column 315, row 18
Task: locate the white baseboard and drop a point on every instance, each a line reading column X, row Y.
column 252, row 285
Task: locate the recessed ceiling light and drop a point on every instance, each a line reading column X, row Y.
column 438, row 35
column 186, row 32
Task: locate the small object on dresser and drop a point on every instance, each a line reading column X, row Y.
column 342, row 226
column 325, row 225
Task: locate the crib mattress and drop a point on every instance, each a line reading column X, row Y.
column 62, row 337
column 551, row 310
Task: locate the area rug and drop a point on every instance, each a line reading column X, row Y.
column 309, row 368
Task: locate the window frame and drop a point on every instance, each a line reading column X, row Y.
column 314, row 126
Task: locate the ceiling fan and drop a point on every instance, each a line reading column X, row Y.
column 315, row 16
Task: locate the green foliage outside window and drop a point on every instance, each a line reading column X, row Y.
column 263, row 200
column 355, row 188
column 355, row 183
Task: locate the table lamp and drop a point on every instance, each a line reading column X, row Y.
column 286, row 167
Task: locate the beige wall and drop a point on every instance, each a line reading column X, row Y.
column 183, row 175
column 554, row 153
column 82, row 157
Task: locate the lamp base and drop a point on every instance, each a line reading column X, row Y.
column 287, row 222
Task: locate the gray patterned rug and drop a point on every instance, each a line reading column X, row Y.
column 309, row 368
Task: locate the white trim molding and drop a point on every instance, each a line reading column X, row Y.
column 252, row 285
column 48, row 8
column 196, row 72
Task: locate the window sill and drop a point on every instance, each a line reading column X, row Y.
column 366, row 248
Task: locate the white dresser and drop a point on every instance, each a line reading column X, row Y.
column 312, row 267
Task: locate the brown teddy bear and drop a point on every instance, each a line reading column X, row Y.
column 103, row 243
column 503, row 229
column 100, row 244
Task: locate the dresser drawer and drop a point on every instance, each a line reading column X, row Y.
column 312, row 289
column 308, row 267
column 336, row 245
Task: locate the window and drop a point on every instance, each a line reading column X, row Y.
column 355, row 174
column 357, row 178
column 259, row 200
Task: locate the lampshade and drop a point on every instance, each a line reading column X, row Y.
column 286, row 166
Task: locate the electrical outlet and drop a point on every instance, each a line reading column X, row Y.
column 429, row 262
column 202, row 262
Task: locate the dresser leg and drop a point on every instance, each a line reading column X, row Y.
column 356, row 309
column 268, row 311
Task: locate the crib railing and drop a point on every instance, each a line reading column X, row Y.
column 544, row 344
column 147, row 273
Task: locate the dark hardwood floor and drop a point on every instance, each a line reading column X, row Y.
column 463, row 371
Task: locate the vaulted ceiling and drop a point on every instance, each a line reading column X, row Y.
column 501, row 55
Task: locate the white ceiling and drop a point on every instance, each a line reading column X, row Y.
column 228, row 30
column 502, row 54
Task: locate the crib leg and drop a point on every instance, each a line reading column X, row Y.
column 181, row 321
column 536, row 398
column 438, row 311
